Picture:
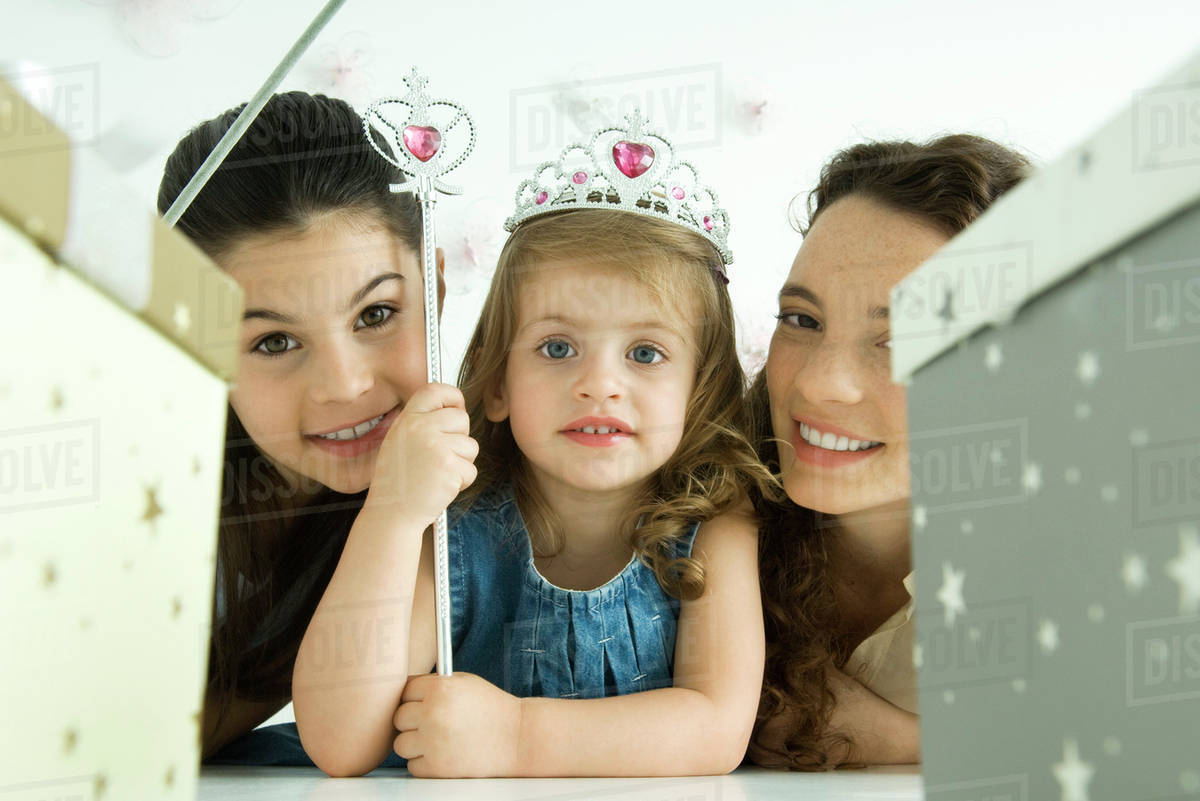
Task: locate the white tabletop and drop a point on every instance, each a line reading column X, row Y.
column 229, row 783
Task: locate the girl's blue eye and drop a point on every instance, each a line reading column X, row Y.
column 557, row 349
column 646, row 354
column 276, row 344
column 797, row 320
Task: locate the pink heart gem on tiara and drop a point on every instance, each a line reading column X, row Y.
column 579, row 177
column 422, row 141
column 541, row 197
column 678, row 193
column 708, row 223
column 632, row 158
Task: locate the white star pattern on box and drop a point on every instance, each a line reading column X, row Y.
column 1133, row 572
column 1073, row 773
column 1048, row 636
column 993, row 357
column 1031, row 478
column 183, row 318
column 919, row 517
column 1185, row 569
column 1088, row 369
column 950, row 595
column 1138, row 437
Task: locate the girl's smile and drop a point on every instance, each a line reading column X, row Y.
column 825, row 445
column 840, row 420
column 354, row 440
column 332, row 345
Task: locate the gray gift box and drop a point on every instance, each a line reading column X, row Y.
column 1052, row 357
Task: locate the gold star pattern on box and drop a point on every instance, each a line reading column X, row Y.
column 153, row 510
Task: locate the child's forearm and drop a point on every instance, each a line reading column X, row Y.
column 354, row 658
column 668, row 732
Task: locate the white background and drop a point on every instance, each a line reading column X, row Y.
column 1036, row 75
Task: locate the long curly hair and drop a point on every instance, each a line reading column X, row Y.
column 714, row 464
column 948, row 181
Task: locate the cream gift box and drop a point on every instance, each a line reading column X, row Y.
column 119, row 339
column 1052, row 356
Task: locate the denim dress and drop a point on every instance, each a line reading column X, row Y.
column 531, row 638
column 520, row 632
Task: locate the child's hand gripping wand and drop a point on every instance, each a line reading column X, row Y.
column 419, row 154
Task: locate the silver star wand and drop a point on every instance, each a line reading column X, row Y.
column 420, row 155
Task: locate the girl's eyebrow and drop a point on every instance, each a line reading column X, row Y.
column 655, row 325
column 370, row 286
column 804, row 293
column 267, row 314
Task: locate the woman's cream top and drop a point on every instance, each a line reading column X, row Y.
column 883, row 662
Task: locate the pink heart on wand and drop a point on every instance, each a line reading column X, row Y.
column 632, row 158
column 422, row 141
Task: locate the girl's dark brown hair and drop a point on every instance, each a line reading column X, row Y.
column 948, row 181
column 304, row 156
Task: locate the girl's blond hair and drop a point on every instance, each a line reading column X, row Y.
column 714, row 462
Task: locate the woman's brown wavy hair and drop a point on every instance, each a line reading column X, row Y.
column 714, row 464
column 948, row 181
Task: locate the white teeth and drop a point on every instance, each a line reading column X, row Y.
column 353, row 432
column 832, row 442
column 597, row 430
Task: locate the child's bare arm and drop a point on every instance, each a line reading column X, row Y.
column 702, row 724
column 366, row 636
column 375, row 622
column 699, row 726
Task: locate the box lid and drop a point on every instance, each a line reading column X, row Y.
column 68, row 201
column 1137, row 170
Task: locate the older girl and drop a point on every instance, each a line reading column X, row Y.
column 332, row 345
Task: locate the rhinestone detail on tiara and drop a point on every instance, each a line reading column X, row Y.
column 625, row 168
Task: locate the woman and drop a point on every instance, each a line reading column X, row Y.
column 332, row 352
column 839, row 684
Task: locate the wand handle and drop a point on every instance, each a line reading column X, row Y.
column 250, row 113
column 433, row 362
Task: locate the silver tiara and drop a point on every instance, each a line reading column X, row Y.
column 625, row 168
